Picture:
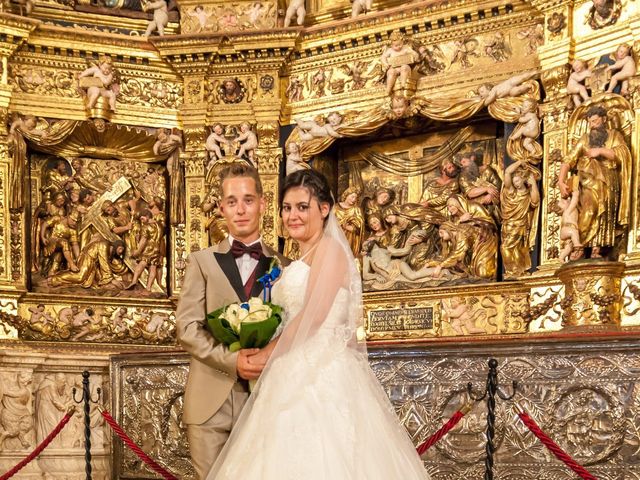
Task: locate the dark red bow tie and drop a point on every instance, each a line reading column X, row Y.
column 238, row 249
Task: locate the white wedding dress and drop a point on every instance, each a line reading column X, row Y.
column 320, row 413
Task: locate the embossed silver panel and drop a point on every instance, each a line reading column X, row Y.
column 584, row 395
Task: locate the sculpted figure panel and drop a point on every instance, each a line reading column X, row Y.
column 100, row 225
column 601, row 161
column 16, row 411
column 447, row 231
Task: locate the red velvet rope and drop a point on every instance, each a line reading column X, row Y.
column 554, row 447
column 136, row 449
column 453, row 421
column 44, row 444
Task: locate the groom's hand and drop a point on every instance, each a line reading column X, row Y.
column 246, row 369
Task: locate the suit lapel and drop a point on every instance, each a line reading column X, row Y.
column 228, row 265
column 261, row 269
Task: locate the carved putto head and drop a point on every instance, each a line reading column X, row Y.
column 397, row 40
column 579, row 65
column 623, row 50
column 334, row 119
column 293, row 148
column 399, row 106
column 105, row 63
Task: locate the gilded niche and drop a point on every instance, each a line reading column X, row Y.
column 431, row 217
column 100, row 213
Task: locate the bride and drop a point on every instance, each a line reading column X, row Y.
column 317, row 411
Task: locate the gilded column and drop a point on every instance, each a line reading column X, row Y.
column 15, row 30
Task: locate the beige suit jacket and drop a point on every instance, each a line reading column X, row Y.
column 206, row 287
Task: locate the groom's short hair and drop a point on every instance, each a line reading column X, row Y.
column 241, row 170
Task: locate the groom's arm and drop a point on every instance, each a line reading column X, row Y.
column 191, row 328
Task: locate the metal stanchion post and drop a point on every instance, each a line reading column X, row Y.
column 86, row 398
column 490, row 392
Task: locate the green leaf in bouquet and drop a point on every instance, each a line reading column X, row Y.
column 220, row 328
column 258, row 334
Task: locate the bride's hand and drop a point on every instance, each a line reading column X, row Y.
column 261, row 357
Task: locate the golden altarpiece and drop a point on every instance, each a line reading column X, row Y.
column 484, row 157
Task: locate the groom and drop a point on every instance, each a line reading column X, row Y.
column 217, row 276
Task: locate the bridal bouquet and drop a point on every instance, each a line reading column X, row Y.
column 245, row 325
column 249, row 324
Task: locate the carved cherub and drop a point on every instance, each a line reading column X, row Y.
column 535, row 36
column 27, row 123
column 530, row 130
column 118, row 322
column 160, row 16
column 569, row 233
column 201, row 16
column 255, row 11
column 296, row 8
column 294, row 159
column 432, row 59
column 213, row 142
column 463, row 50
column 309, row 129
column 101, row 82
column 625, row 68
column 575, row 85
column 248, row 142
column 40, row 316
column 167, row 141
column 398, row 59
column 360, row 6
column 498, row 47
column 512, row 87
column 459, row 315
column 399, row 107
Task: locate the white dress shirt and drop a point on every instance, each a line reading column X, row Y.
column 246, row 264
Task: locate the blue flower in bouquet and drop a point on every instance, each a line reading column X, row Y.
column 269, row 278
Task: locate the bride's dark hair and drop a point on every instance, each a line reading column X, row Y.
column 313, row 181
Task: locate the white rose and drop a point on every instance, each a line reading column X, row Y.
column 259, row 315
column 231, row 315
column 255, row 305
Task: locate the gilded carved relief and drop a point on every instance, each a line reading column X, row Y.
column 234, row 16
column 418, row 57
column 94, row 323
column 100, row 225
column 431, row 219
column 586, row 418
